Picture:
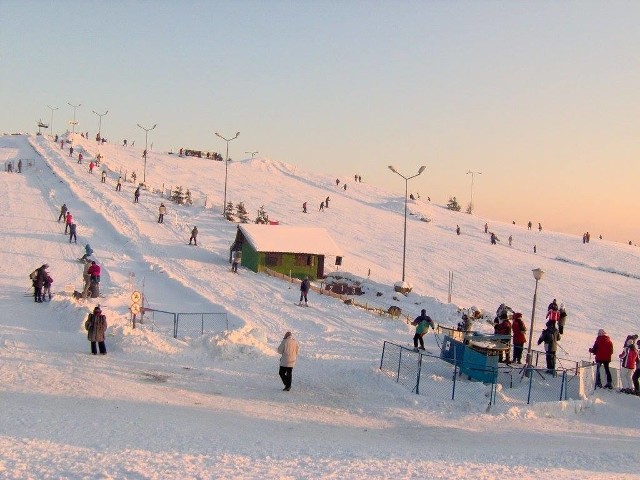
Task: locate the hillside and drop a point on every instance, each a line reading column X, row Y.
column 211, row 406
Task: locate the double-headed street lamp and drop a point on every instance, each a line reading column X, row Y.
column 74, row 118
column 253, row 154
column 146, row 136
column 406, row 191
column 537, row 274
column 226, row 168
column 471, row 203
column 100, row 122
column 51, row 122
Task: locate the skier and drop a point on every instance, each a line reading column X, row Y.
column 304, row 290
column 88, row 251
column 304, row 207
column 119, row 185
column 519, row 338
column 72, row 233
column 161, row 211
column 136, row 195
column 68, row 220
column 236, row 258
column 63, row 212
column 96, row 325
column 288, row 349
column 422, row 324
column 628, row 359
column 194, row 236
column 91, row 165
column 603, row 350
column 550, row 338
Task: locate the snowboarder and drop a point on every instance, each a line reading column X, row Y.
column 119, row 185
column 104, row 176
column 304, row 290
column 304, row 207
column 72, row 233
column 628, row 359
column 236, row 258
column 519, row 339
column 422, row 324
column 194, row 236
column 136, row 195
column 68, row 220
column 288, row 349
column 603, row 350
column 88, row 251
column 550, row 337
column 63, row 212
column 20, row 166
column 96, row 325
column 161, row 211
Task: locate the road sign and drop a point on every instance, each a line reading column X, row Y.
column 136, row 296
column 135, row 308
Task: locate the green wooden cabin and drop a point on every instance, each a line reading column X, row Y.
column 295, row 251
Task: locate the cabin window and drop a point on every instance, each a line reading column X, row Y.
column 301, row 260
column 273, row 259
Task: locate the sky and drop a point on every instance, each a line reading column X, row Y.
column 540, row 97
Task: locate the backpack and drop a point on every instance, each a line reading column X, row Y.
column 33, row 274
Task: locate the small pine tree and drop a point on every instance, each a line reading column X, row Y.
column 469, row 209
column 229, row 212
column 187, row 198
column 262, row 216
column 453, row 204
column 242, row 213
column 178, row 195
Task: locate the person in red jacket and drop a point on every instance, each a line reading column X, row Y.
column 602, row 349
column 519, row 337
column 628, row 359
column 68, row 220
column 94, row 272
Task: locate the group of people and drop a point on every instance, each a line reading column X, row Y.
column 10, row 166
column 70, row 227
column 41, row 281
column 629, row 362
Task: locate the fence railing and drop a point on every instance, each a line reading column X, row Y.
column 186, row 324
column 427, row 374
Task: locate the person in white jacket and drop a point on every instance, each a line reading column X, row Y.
column 289, row 350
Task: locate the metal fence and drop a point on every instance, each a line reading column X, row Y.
column 427, row 374
column 186, row 324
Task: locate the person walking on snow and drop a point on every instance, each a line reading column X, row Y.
column 80, row 157
column 519, row 338
column 119, row 185
column 326, row 202
column 20, row 166
column 72, row 233
column 304, row 290
column 96, row 326
column 136, row 195
column 68, row 220
column 422, row 324
column 550, row 337
column 288, row 349
column 104, row 176
column 161, row 211
column 194, row 236
column 511, row 240
column 321, row 206
column 628, row 359
column 304, row 207
column 91, row 165
column 562, row 318
column 71, row 151
column 63, row 212
column 603, row 350
column 236, row 258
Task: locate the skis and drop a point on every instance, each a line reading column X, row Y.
column 301, row 304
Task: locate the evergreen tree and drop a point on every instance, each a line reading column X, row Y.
column 262, row 216
column 242, row 213
column 187, row 198
column 453, row 204
column 178, row 196
column 229, row 212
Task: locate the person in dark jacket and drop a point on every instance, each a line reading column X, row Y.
column 194, row 236
column 39, row 277
column 422, row 324
column 550, row 338
column 304, row 290
column 72, row 233
column 48, row 281
column 519, row 338
column 96, row 326
column 136, row 195
column 63, row 212
column 603, row 350
column 88, row 251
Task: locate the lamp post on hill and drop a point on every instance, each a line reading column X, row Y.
column 100, row 115
column 51, row 122
column 471, row 203
column 253, row 154
column 406, row 191
column 226, row 168
column 537, row 274
column 146, row 137
column 73, row 133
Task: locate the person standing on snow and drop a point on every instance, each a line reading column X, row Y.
column 20, row 166
column 636, row 374
column 104, row 177
column 326, row 202
column 422, row 324
column 562, row 318
column 519, row 338
column 603, row 350
column 39, row 277
column 71, row 151
column 304, row 290
column 91, row 165
column 288, row 349
column 68, row 220
column 236, row 258
column 550, row 337
column 119, row 185
column 504, row 328
column 48, row 281
column 304, row 207
column 80, row 157
column 552, row 312
column 628, row 359
column 96, row 326
column 161, row 211
column 63, row 212
column 194, row 236
column 136, row 195
column 72, row 233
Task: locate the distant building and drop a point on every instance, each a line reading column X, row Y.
column 299, row 251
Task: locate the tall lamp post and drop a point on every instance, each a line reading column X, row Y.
column 74, row 118
column 51, row 122
column 253, row 154
column 537, row 274
column 146, row 137
column 406, row 191
column 471, row 203
column 226, row 168
column 100, row 115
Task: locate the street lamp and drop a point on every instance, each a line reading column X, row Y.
column 406, row 191
column 74, row 118
column 537, row 274
column 253, row 154
column 471, row 203
column 226, row 168
column 146, row 136
column 51, row 122
column 100, row 121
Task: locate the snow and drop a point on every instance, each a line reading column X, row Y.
column 212, row 406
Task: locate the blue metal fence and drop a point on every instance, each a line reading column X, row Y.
column 186, row 324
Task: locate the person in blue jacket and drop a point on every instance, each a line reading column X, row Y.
column 88, row 251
